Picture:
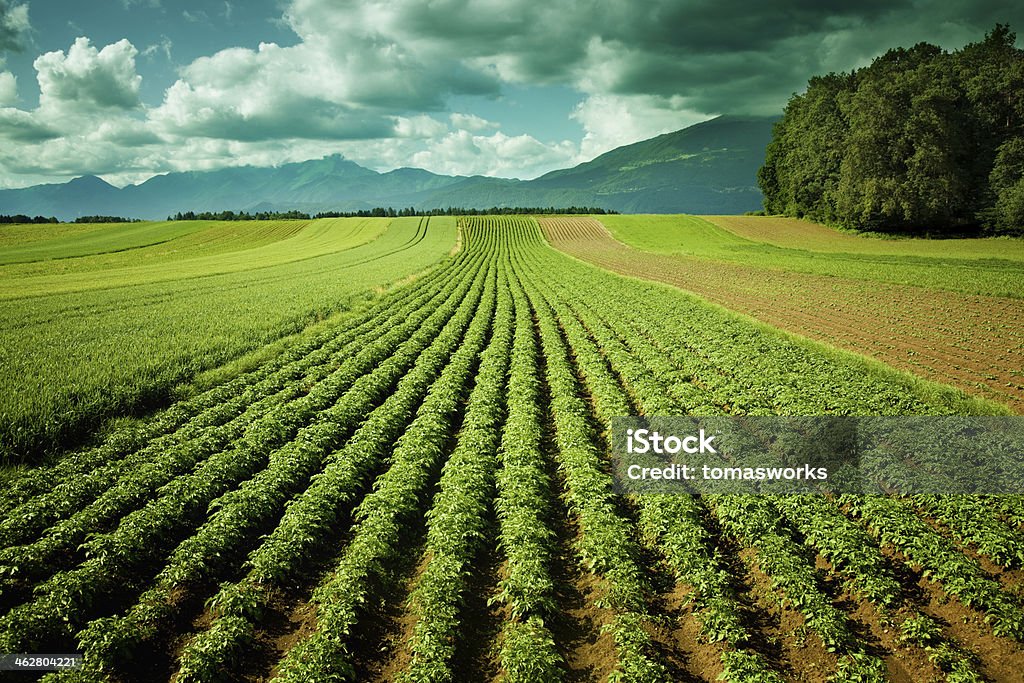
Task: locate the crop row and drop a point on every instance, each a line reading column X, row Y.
column 312, row 518
column 844, row 547
column 605, row 542
column 81, row 476
column 270, row 423
column 118, row 556
column 382, row 517
column 673, row 523
column 112, row 640
column 387, row 463
column 854, row 553
column 62, row 601
column 527, row 589
column 972, row 521
column 893, row 522
column 951, row 659
column 458, row 519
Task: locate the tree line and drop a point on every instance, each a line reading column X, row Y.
column 23, row 219
column 238, row 216
column 106, row 219
column 383, row 212
column 464, row 211
column 921, row 140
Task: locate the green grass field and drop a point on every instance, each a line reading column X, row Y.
column 88, row 337
column 24, row 244
column 209, row 248
column 979, row 266
column 802, row 234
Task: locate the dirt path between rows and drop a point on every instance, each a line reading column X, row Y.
column 975, row 343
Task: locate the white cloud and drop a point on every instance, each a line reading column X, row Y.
column 370, row 79
column 125, row 132
column 17, row 18
column 263, row 94
column 419, row 127
column 197, row 17
column 380, row 59
column 88, row 118
column 22, row 128
column 14, row 25
column 610, row 121
column 351, row 77
column 67, row 156
column 374, row 78
column 164, row 46
column 8, row 88
column 472, row 122
column 462, row 153
column 89, row 78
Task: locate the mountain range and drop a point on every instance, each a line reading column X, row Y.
column 710, row 167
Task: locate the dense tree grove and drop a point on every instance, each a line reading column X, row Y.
column 920, row 140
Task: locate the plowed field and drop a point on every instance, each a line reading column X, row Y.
column 972, row 342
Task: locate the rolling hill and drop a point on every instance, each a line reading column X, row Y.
column 707, row 168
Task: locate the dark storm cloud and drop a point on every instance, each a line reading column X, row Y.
column 700, row 50
column 711, row 27
column 734, row 56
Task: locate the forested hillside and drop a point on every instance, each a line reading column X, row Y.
column 921, row 139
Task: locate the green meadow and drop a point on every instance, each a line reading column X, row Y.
column 107, row 321
column 990, row 267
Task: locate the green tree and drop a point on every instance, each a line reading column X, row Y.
column 801, row 171
column 916, row 140
column 1007, row 184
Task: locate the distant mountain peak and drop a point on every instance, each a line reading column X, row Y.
column 710, row 167
column 87, row 181
column 332, row 163
column 408, row 171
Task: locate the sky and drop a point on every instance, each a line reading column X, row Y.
column 126, row 89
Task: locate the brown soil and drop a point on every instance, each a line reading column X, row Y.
column 975, row 343
column 477, row 653
column 578, row 630
column 589, row 651
column 703, row 658
column 800, row 655
column 674, row 631
column 999, row 659
column 289, row 620
column 905, row 663
column 395, row 632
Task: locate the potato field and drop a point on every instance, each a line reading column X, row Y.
column 413, row 484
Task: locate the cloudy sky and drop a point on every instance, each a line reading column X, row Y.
column 126, row 89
